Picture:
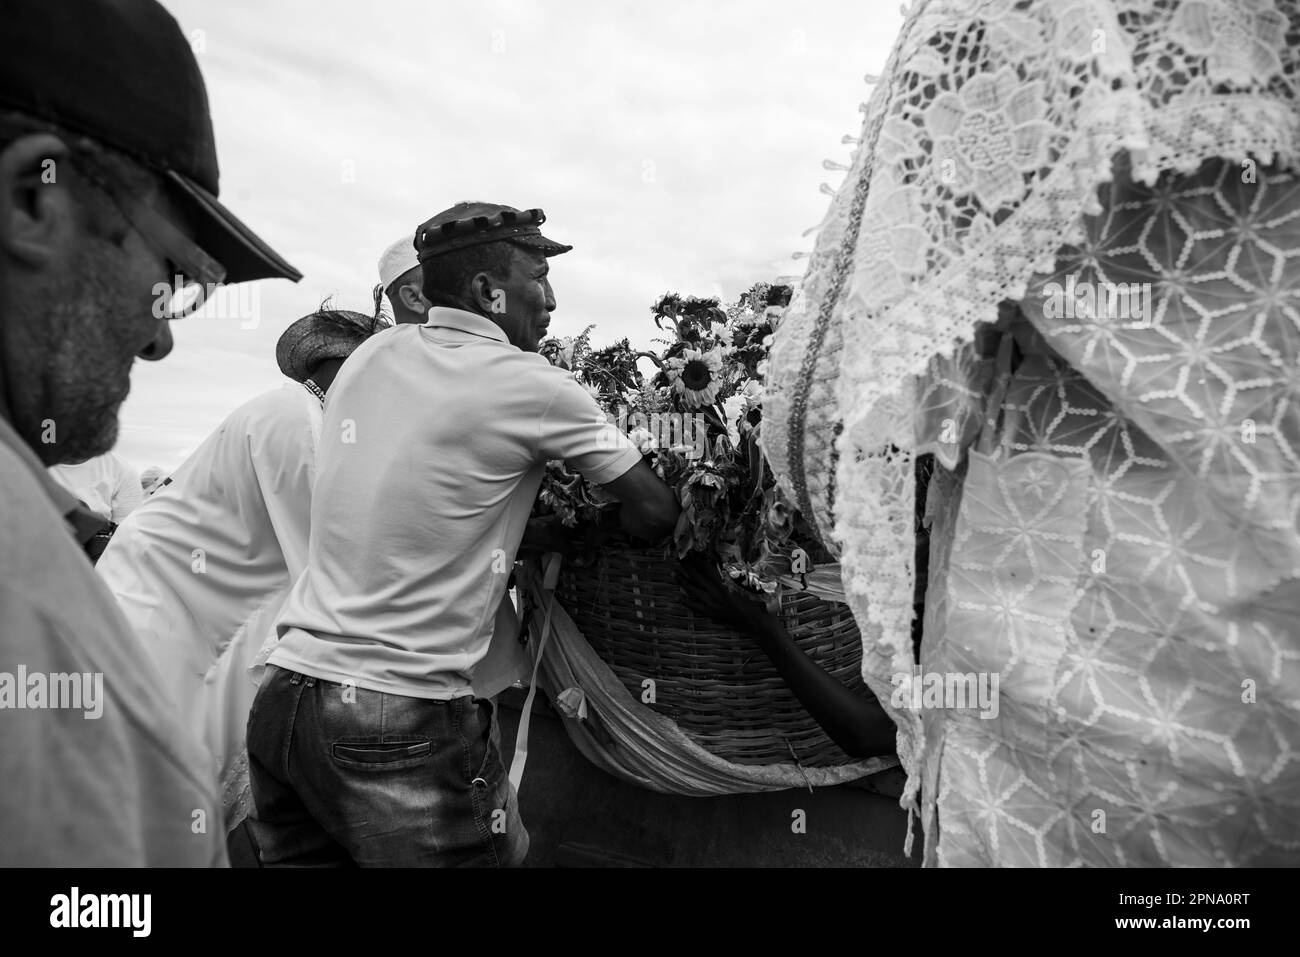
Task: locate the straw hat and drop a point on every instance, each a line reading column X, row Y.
column 326, row 334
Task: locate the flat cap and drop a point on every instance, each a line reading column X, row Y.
column 472, row 224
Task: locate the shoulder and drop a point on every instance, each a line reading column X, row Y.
column 561, row 388
column 384, row 343
column 290, row 406
column 534, row 369
column 288, row 399
column 280, row 417
column 50, row 596
column 545, row 391
column 28, row 519
column 280, row 426
column 386, row 348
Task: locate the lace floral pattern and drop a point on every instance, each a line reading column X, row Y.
column 985, row 148
column 987, row 136
column 1238, row 41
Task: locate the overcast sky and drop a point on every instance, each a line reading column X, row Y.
column 677, row 146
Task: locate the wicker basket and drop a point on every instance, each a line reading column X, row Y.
column 717, row 685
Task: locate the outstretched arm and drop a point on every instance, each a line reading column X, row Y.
column 649, row 508
column 858, row 725
column 577, row 430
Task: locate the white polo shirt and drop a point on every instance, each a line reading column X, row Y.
column 433, row 447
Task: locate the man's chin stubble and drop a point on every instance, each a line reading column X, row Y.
column 90, row 433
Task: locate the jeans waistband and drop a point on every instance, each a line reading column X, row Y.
column 310, row 681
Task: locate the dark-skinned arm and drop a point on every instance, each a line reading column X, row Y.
column 649, row 509
column 544, row 534
column 858, row 725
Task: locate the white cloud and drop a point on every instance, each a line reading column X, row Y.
column 341, row 125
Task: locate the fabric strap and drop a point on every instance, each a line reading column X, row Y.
column 550, row 577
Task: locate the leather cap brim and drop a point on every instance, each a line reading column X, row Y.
column 227, row 240
column 547, row 247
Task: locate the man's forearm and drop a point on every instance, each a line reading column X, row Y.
column 651, row 528
column 857, row 724
column 648, row 508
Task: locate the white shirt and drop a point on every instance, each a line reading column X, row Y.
column 202, row 566
column 433, row 448
column 127, row 788
column 107, row 484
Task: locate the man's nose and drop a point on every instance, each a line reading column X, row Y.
column 161, row 344
column 550, row 298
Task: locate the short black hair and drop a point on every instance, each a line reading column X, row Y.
column 447, row 276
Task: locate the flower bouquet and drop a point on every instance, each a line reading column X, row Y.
column 697, row 418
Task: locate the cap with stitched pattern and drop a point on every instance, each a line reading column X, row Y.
column 472, row 224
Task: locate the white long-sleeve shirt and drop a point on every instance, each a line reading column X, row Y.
column 202, row 566
column 107, row 484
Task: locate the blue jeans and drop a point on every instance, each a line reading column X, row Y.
column 343, row 776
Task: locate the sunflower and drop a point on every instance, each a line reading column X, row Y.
column 696, row 376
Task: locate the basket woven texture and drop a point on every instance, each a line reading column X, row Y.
column 716, row 684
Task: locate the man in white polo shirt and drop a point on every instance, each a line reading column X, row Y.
column 401, row 282
column 433, row 448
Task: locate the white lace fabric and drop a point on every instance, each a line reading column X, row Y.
column 1158, row 446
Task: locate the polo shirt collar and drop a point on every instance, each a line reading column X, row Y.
column 83, row 522
column 444, row 317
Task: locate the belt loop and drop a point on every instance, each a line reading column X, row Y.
column 295, row 678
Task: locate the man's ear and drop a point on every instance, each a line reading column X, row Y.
column 482, row 292
column 37, row 207
column 410, row 296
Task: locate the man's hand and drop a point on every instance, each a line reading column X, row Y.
column 649, row 507
column 596, row 533
column 545, row 534
column 707, row 594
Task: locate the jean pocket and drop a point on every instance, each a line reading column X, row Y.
column 381, row 755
